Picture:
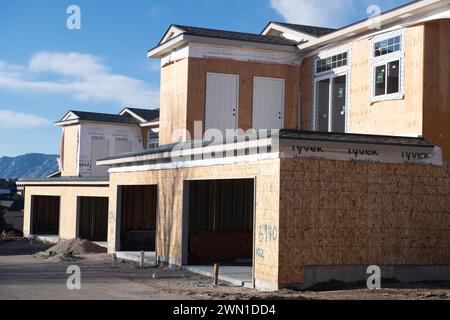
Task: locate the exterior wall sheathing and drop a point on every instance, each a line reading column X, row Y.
column 170, row 209
column 68, row 205
column 336, row 213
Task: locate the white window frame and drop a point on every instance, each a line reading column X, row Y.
column 152, row 143
column 340, row 71
column 385, row 60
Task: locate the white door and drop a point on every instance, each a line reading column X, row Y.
column 221, row 101
column 268, row 103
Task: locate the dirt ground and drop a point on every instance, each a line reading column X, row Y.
column 23, row 275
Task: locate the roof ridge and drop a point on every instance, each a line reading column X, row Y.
column 303, row 25
column 230, row 31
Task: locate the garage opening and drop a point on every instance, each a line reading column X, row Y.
column 93, row 218
column 45, row 215
column 138, row 218
column 220, row 222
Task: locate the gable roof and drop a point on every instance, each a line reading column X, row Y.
column 74, row 115
column 311, row 30
column 408, row 13
column 144, row 115
column 230, row 35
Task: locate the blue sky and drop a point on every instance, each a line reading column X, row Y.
column 47, row 69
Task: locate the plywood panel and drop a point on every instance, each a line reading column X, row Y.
column 170, row 209
column 173, row 100
column 68, row 203
column 70, row 150
column 396, row 117
column 337, row 213
column 307, row 93
column 436, row 99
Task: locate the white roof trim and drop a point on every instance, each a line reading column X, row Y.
column 283, row 29
column 150, row 124
column 171, row 33
column 402, row 14
column 134, row 115
column 182, row 39
column 187, row 152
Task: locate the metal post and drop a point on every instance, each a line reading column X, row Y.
column 141, row 260
column 216, row 274
column 114, row 260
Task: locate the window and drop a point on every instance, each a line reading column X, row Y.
column 387, row 46
column 153, row 140
column 387, row 78
column 330, row 63
column 387, row 58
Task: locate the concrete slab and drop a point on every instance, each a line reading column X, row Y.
column 103, row 244
column 45, row 238
column 149, row 256
column 236, row 275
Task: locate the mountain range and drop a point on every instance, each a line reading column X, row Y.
column 32, row 165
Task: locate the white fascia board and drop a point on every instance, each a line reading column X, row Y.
column 66, row 123
column 171, row 33
column 182, row 39
column 184, row 152
column 197, row 163
column 134, row 115
column 154, row 124
column 69, row 118
column 167, row 47
column 391, row 17
column 229, row 42
column 283, row 29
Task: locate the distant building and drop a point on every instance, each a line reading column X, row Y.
column 12, row 212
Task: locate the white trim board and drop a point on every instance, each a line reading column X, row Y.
column 232, row 52
column 197, row 163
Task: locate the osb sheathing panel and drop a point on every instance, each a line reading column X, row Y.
column 199, row 67
column 396, row 117
column 307, row 93
column 170, row 202
column 70, row 165
column 336, row 213
column 68, row 205
column 437, row 85
column 173, row 99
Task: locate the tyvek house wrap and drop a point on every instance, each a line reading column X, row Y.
column 97, row 142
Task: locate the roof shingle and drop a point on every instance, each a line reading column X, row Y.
column 146, row 114
column 104, row 117
column 312, row 30
column 232, row 35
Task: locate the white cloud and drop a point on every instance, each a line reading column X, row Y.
column 75, row 64
column 12, row 119
column 81, row 76
column 327, row 13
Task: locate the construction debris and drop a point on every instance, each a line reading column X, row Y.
column 10, row 235
column 73, row 247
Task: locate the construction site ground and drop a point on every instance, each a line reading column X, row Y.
column 25, row 275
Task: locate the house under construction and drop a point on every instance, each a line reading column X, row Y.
column 341, row 158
